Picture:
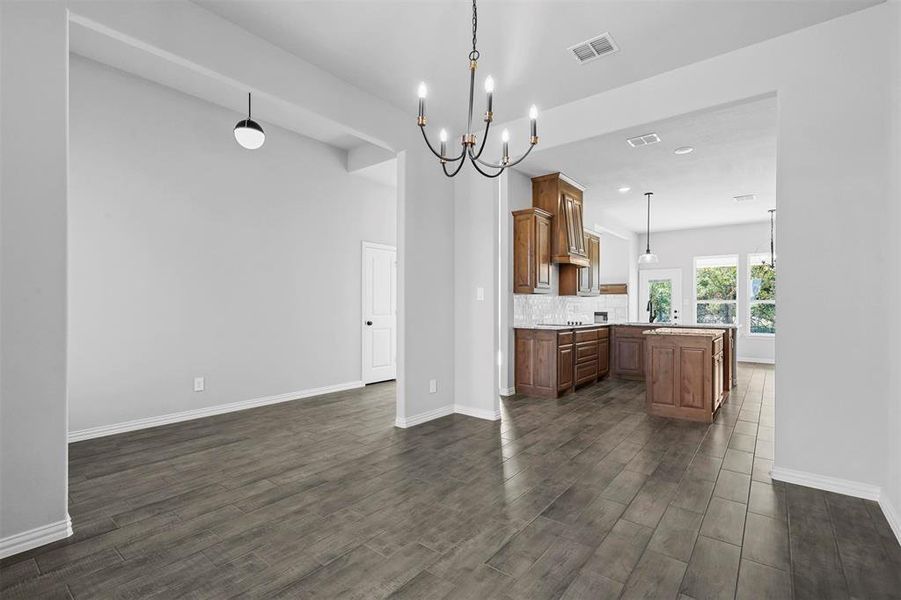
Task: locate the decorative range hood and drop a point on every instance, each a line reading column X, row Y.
column 562, row 198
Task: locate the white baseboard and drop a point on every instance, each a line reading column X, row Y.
column 104, row 430
column 33, row 538
column 826, row 483
column 758, row 360
column 443, row 411
column 891, row 515
column 423, row 417
column 507, row 391
column 478, row 413
column 843, row 486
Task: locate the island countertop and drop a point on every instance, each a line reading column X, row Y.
column 687, row 331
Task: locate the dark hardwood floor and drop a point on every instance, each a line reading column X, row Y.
column 585, row 497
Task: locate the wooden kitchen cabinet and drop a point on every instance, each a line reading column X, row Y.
column 562, row 198
column 531, row 251
column 684, row 373
column 583, row 281
column 553, row 362
column 628, row 351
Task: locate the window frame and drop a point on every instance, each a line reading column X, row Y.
column 694, row 285
column 754, row 259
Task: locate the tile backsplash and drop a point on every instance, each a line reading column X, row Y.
column 532, row 309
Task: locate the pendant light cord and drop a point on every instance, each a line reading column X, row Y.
column 248, row 106
column 648, row 247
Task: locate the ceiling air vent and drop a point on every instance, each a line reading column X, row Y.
column 596, row 47
column 745, row 198
column 644, row 140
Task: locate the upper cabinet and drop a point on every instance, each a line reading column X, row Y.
column 583, row 281
column 532, row 231
column 562, row 198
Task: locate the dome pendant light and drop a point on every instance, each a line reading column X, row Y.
column 648, row 258
column 248, row 132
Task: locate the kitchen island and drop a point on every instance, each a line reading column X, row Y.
column 628, row 343
column 554, row 359
column 684, row 372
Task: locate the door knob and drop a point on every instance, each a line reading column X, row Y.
column 369, row 323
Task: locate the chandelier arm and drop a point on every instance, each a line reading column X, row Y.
column 509, row 164
column 488, row 175
column 457, row 170
column 429, row 144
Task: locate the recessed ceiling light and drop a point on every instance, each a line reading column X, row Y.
column 624, row 189
column 684, row 150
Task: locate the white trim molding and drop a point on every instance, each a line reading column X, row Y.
column 826, row 483
column 459, row 409
column 478, row 413
column 198, row 413
column 507, row 391
column 857, row 489
column 757, row 360
column 39, row 536
column 429, row 415
column 891, row 515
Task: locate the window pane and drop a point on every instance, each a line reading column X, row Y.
column 763, row 318
column 717, row 283
column 763, row 282
column 715, row 313
column 661, row 295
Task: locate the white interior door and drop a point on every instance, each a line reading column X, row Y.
column 664, row 288
column 379, row 312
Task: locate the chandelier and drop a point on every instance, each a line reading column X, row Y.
column 469, row 141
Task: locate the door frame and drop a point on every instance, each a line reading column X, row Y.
column 671, row 273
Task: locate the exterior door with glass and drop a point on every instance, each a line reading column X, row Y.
column 660, row 295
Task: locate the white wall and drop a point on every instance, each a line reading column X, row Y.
column 677, row 250
column 476, row 207
column 190, row 256
column 834, row 182
column 33, row 450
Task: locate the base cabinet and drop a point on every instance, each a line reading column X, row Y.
column 550, row 363
column 628, row 352
column 684, row 376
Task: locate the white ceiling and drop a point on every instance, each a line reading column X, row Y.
column 387, row 47
column 735, row 154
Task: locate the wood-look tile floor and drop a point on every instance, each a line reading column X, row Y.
column 585, row 497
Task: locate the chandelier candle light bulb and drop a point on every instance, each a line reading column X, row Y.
column 471, row 147
column 423, row 92
column 505, row 138
column 489, row 89
column 443, row 150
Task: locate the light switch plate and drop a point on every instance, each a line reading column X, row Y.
column 198, row 384
column 480, row 293
column 433, row 386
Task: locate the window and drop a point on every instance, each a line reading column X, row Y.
column 761, row 295
column 716, row 289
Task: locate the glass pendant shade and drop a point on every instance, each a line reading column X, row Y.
column 648, row 258
column 249, row 134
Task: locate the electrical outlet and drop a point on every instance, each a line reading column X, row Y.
column 433, row 386
column 199, row 384
column 480, row 293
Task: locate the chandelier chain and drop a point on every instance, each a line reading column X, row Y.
column 474, row 55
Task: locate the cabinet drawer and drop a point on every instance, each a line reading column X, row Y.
column 586, row 351
column 586, row 335
column 564, row 338
column 604, row 333
column 632, row 331
column 587, row 371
